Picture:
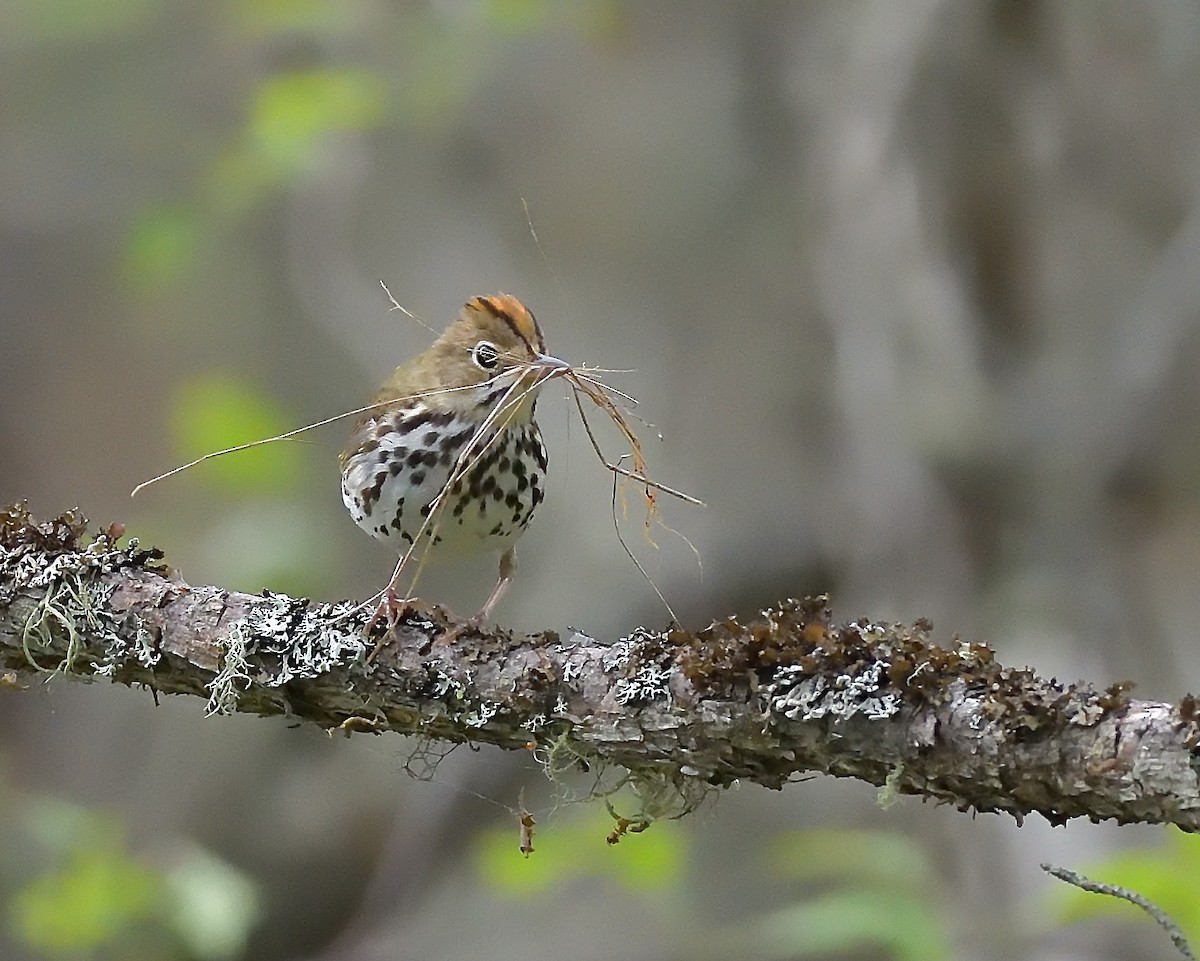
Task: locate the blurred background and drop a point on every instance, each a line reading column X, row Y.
column 910, row 291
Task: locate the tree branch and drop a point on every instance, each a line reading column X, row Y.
column 675, row 713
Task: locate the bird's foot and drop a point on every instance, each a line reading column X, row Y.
column 390, row 609
column 456, row 631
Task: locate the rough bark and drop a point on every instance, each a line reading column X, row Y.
column 674, row 712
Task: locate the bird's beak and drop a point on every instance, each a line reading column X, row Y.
column 548, row 367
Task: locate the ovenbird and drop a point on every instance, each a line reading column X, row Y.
column 449, row 457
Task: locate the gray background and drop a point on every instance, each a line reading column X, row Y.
column 910, row 290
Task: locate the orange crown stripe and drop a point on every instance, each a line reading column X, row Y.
column 506, row 307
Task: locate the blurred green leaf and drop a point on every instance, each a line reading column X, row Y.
column 577, row 848
column 1165, row 874
column 215, row 411
column 858, row 857
column 61, row 825
column 517, row 16
column 238, row 180
column 215, row 906
column 161, row 244
column 886, row 892
column 648, row 861
column 854, row 919
column 292, row 113
column 97, row 894
column 94, row 898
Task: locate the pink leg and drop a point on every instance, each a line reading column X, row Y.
column 508, row 571
column 391, row 607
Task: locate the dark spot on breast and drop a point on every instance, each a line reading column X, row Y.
column 431, row 458
column 498, row 494
column 417, row 479
column 456, row 441
column 512, row 500
column 430, row 438
column 488, row 460
column 371, row 494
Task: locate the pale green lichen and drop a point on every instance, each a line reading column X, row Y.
column 653, row 794
column 889, row 792
column 54, row 610
column 645, row 664
column 799, row 695
column 75, row 600
column 234, row 675
column 284, row 639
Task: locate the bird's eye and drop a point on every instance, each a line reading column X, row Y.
column 485, row 355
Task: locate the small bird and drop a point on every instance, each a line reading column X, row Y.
column 451, row 459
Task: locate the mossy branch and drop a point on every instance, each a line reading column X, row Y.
column 681, row 712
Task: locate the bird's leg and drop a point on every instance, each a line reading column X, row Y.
column 390, row 607
column 508, row 570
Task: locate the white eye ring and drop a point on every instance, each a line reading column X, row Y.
column 485, row 355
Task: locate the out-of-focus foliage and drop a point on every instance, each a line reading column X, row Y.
column 97, row 898
column 856, row 890
column 903, row 926
column 216, row 411
column 576, row 847
column 215, row 906
column 870, row 890
column 94, row 894
column 292, row 111
column 162, row 241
